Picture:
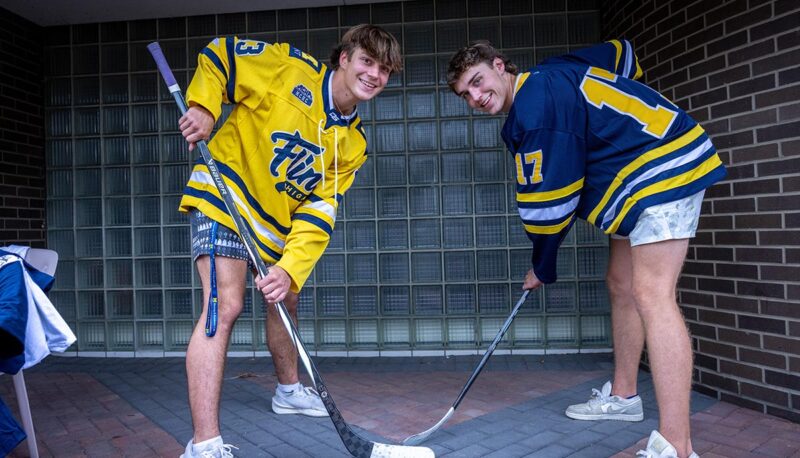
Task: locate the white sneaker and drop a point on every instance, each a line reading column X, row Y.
column 304, row 401
column 214, row 449
column 658, row 447
column 603, row 406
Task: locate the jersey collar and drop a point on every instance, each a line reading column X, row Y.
column 519, row 81
column 334, row 117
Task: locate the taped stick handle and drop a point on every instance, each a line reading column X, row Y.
column 163, row 66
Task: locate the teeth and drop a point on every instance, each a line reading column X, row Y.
column 369, row 85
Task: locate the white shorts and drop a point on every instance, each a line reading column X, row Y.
column 669, row 221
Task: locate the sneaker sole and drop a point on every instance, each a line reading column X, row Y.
column 290, row 411
column 606, row 416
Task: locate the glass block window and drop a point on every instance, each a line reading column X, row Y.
column 428, row 251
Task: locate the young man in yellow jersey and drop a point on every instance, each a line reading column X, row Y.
column 590, row 142
column 288, row 151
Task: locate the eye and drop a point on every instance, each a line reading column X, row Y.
column 477, row 81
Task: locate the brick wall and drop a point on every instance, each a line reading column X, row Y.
column 22, row 176
column 734, row 66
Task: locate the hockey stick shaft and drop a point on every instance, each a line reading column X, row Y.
column 355, row 444
column 418, row 438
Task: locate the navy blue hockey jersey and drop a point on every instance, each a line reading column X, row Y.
column 590, row 142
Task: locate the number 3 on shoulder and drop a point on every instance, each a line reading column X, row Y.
column 529, row 167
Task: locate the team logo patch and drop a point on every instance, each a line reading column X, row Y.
column 303, row 94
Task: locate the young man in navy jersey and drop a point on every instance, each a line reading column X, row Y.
column 590, row 142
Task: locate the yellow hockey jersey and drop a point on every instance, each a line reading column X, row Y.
column 285, row 151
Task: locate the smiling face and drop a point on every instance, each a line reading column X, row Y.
column 486, row 88
column 364, row 76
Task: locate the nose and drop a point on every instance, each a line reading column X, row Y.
column 475, row 95
column 373, row 71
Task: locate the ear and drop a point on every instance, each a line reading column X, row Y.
column 344, row 59
column 499, row 65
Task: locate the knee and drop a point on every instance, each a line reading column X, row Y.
column 290, row 302
column 649, row 296
column 619, row 286
column 229, row 311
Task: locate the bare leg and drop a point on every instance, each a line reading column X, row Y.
column 626, row 325
column 656, row 267
column 205, row 357
column 280, row 344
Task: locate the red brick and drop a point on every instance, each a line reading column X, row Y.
column 782, row 344
column 737, row 270
column 791, row 381
column 759, row 254
column 717, row 285
column 777, row 97
column 755, row 153
column 787, row 166
column 780, row 273
column 765, row 221
column 779, row 237
column 715, row 222
column 714, row 254
column 735, row 237
column 789, row 112
column 753, row 51
column 738, row 337
column 729, row 75
column 776, row 62
column 764, row 394
column 760, row 288
column 719, row 381
column 762, row 358
column 755, row 119
column 746, row 205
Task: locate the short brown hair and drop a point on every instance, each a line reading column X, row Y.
column 469, row 56
column 376, row 42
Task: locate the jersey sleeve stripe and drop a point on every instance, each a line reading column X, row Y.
column 640, row 161
column 548, row 229
column 214, row 58
column 523, row 196
column 549, row 213
column 319, row 222
column 322, row 207
column 231, row 87
column 683, row 179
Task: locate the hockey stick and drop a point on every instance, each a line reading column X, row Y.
column 355, row 444
column 419, row 438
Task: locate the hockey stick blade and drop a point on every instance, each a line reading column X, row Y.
column 417, row 439
column 355, row 444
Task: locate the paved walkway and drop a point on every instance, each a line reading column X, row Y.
column 95, row 407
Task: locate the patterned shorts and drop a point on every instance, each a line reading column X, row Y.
column 668, row 221
column 227, row 244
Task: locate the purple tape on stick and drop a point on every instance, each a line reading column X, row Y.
column 162, row 64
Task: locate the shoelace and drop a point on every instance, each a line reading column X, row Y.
column 225, row 449
column 308, row 391
column 599, row 398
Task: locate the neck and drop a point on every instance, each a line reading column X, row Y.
column 510, row 82
column 343, row 99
